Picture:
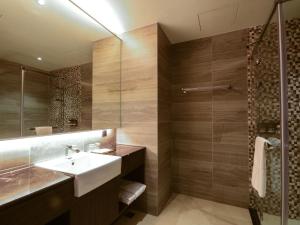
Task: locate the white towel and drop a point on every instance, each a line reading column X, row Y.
column 126, row 197
column 40, row 131
column 259, row 173
column 130, row 191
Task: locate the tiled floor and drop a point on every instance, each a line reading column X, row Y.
column 185, row 210
column 275, row 220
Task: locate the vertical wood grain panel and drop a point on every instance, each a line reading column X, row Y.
column 86, row 72
column 36, row 101
column 106, row 83
column 164, row 119
column 139, row 104
column 210, row 158
column 10, row 94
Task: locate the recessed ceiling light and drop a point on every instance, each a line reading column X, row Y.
column 39, row 58
column 42, row 2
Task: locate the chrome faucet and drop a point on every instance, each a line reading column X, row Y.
column 72, row 148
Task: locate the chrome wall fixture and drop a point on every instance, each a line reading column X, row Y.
column 204, row 89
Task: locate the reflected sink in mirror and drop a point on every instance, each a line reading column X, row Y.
column 89, row 170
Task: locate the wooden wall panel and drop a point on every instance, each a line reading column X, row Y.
column 36, row 101
column 86, row 72
column 139, row 104
column 106, row 84
column 210, row 154
column 164, row 120
column 146, row 107
column 10, row 99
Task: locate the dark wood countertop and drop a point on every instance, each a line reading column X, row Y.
column 19, row 184
column 22, row 183
column 124, row 150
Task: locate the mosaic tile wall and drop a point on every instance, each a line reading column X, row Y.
column 264, row 113
column 68, row 94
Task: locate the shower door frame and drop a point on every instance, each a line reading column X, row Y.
column 278, row 7
column 25, row 69
column 283, row 116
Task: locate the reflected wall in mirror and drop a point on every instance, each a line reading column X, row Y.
column 47, row 70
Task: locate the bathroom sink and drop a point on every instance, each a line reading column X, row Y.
column 90, row 170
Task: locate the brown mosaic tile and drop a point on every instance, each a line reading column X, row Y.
column 263, row 109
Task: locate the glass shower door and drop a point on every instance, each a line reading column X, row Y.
column 36, row 101
column 265, row 116
column 291, row 11
column 265, row 83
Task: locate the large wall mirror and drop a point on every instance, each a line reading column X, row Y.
column 59, row 70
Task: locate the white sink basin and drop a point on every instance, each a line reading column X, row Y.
column 90, row 170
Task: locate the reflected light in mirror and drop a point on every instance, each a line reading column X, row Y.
column 101, row 11
column 42, row 2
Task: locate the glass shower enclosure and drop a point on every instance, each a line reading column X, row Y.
column 275, row 112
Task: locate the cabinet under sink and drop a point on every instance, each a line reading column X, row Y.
column 57, row 204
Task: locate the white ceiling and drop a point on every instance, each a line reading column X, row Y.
column 57, row 32
column 63, row 36
column 179, row 18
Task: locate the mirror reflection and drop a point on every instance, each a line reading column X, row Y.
column 46, row 68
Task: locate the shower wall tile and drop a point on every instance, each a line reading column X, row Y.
column 86, row 96
column 231, row 154
column 263, row 100
column 230, row 175
column 231, row 133
column 237, row 93
column 229, row 45
column 65, row 98
column 192, row 73
column 230, row 111
column 234, row 72
column 192, row 111
column 36, row 100
column 231, row 195
column 10, row 99
column 192, row 130
column 210, row 149
column 196, row 180
column 202, row 151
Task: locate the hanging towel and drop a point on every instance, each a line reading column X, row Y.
column 259, row 173
column 40, row 131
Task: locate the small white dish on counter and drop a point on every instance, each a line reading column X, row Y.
column 90, row 170
column 101, row 150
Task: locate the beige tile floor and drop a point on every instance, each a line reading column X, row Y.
column 275, row 220
column 185, row 210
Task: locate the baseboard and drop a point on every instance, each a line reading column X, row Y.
column 254, row 216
